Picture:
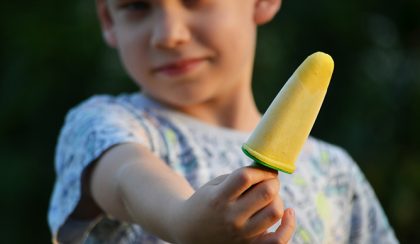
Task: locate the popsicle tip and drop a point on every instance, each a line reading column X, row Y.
column 323, row 58
column 315, row 71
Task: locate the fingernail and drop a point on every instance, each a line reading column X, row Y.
column 292, row 212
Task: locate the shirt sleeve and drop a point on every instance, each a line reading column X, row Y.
column 89, row 130
column 368, row 222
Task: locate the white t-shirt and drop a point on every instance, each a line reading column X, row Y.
column 333, row 201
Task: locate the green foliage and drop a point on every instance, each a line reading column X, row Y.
column 53, row 57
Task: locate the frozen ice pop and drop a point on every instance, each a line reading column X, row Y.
column 279, row 137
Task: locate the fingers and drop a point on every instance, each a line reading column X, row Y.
column 284, row 232
column 256, row 198
column 242, row 179
column 264, row 219
column 288, row 223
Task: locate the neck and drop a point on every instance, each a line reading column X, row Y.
column 236, row 110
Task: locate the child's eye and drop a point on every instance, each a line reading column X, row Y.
column 136, row 5
column 190, row 3
column 197, row 3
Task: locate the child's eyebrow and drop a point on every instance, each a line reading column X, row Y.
column 117, row 1
column 113, row 2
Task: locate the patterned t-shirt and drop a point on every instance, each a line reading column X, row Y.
column 333, row 201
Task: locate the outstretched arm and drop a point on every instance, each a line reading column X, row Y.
column 130, row 183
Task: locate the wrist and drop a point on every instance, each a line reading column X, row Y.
column 178, row 221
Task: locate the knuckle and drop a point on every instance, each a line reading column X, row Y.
column 274, row 213
column 235, row 227
column 268, row 192
column 233, row 224
column 244, row 177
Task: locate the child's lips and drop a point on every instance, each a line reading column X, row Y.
column 178, row 67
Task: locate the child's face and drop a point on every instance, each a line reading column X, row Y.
column 183, row 52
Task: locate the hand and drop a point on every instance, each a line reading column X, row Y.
column 235, row 208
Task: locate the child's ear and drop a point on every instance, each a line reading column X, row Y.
column 106, row 22
column 265, row 10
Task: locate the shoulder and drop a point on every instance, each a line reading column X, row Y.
column 124, row 110
column 103, row 104
column 120, row 119
column 100, row 122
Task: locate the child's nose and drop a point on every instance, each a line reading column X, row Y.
column 170, row 30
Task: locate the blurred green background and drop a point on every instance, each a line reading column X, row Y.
column 52, row 57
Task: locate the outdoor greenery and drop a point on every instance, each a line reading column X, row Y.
column 53, row 57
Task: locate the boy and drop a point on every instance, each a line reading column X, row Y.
column 165, row 165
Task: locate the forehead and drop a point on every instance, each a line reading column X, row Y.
column 157, row 1
column 188, row 2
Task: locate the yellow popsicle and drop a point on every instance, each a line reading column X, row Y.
column 279, row 137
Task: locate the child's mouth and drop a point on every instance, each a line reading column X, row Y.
column 180, row 67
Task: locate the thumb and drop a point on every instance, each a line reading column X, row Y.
column 287, row 227
column 284, row 232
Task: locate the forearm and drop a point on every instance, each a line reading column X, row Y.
column 141, row 189
column 152, row 198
